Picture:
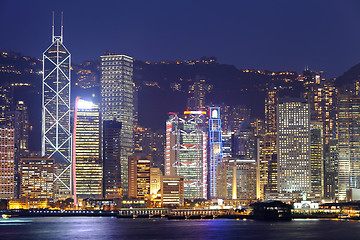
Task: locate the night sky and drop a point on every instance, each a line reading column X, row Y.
column 267, row 34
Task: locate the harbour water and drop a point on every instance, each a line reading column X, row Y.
column 113, row 228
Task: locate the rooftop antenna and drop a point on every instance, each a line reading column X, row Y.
column 62, row 26
column 53, row 23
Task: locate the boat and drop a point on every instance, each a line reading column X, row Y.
column 6, row 216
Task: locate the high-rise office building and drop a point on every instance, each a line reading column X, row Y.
column 233, row 116
column 150, row 143
column 258, row 126
column 271, row 100
column 198, row 89
column 348, row 143
column 37, row 178
column 244, row 142
column 331, row 170
column 266, row 151
column 117, row 103
column 87, row 158
column 227, row 144
column 56, row 134
column 6, row 101
column 139, row 176
column 317, row 161
column 186, row 152
column 215, row 147
column 270, row 188
column 7, row 152
column 111, row 130
column 293, row 142
column 266, row 147
column 21, row 138
column 322, row 98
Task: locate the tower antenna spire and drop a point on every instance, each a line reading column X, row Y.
column 62, row 25
column 53, row 23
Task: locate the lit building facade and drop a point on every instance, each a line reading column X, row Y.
column 293, row 142
column 21, row 137
column 111, row 159
column 266, row 151
column 139, row 176
column 227, row 144
column 37, row 178
column 155, row 182
column 236, row 179
column 331, row 170
column 317, row 161
column 186, row 152
column 348, row 143
column 266, row 147
column 233, row 116
column 271, row 100
column 7, row 155
column 87, row 158
column 56, row 134
column 197, row 101
column 244, row 143
column 270, row 188
column 172, row 191
column 118, row 104
column 6, row 101
column 322, row 98
column 150, row 143
column 215, row 146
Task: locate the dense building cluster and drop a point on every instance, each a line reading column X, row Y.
column 94, row 148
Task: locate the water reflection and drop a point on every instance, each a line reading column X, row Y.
column 113, row 228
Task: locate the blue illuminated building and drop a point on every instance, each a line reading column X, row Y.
column 215, row 143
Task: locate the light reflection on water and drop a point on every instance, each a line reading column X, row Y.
column 112, row 228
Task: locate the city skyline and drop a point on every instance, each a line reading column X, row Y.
column 236, row 141
column 248, row 34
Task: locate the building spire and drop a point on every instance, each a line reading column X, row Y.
column 62, row 26
column 53, row 23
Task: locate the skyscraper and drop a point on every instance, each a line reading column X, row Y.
column 271, row 101
column 6, row 101
column 56, row 135
column 266, row 151
column 7, row 163
column 198, row 89
column 331, row 170
column 88, row 164
column 321, row 96
column 267, row 157
column 21, row 138
column 349, row 143
column 215, row 146
column 293, row 141
column 111, row 159
column 117, row 103
column 186, row 152
column 233, row 116
column 317, row 161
